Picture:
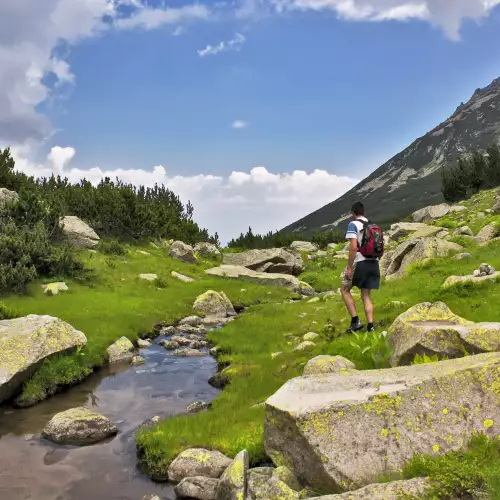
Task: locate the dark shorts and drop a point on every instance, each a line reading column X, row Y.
column 367, row 275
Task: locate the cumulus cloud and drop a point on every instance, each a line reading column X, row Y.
column 258, row 198
column 30, row 34
column 239, row 124
column 233, row 45
column 448, row 14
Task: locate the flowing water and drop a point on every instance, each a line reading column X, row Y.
column 35, row 469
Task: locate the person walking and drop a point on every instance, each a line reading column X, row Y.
column 366, row 246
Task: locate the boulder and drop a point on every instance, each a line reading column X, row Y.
column 256, row 481
column 148, row 277
column 463, row 231
column 285, row 475
column 138, row 360
column 181, row 277
column 242, row 273
column 310, row 336
column 121, row 351
column 463, row 256
column 206, row 249
column 401, row 229
column 396, row 490
column 55, row 288
column 457, row 208
column 189, row 353
column 496, row 207
column 197, row 488
column 181, row 251
column 143, row 343
column 78, row 426
column 344, row 431
column 275, row 489
column 303, row 246
column 431, row 212
column 26, row 342
column 198, row 406
column 214, row 304
column 197, row 462
column 254, row 259
column 233, row 483
column 8, row 197
column 433, row 329
column 307, row 345
column 78, row 232
column 443, row 234
column 453, row 280
column 321, row 365
column 414, row 251
column 487, row 233
column 190, row 321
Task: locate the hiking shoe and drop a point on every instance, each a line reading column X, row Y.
column 371, row 329
column 355, row 327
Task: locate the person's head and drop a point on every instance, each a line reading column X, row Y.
column 358, row 209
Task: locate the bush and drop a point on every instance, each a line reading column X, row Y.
column 7, row 312
column 161, row 282
column 112, row 247
column 447, row 223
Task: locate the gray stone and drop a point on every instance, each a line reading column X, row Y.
column 462, row 256
column 303, row 246
column 402, row 229
column 7, row 197
column 78, row 232
column 197, row 488
column 304, row 346
column 198, row 406
column 256, row 480
column 26, row 342
column 453, row 280
column 148, row 277
column 190, row 321
column 254, row 259
column 141, row 343
column 151, row 497
column 189, row 353
column 169, row 344
column 181, row 277
column 138, row 360
column 344, row 431
column 431, row 212
column 321, row 365
column 78, row 426
column 233, row 482
column 181, row 251
column 310, row 336
column 196, row 462
column 496, row 207
column 433, row 329
column 206, row 249
column 242, row 273
column 463, row 231
column 487, row 233
column 458, row 208
column 214, row 304
column 121, row 351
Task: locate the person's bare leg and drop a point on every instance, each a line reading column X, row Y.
column 368, row 305
column 349, row 302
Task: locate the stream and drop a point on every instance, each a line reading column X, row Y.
column 34, row 468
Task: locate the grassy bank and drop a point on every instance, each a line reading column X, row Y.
column 116, row 303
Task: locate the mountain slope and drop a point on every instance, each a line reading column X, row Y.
column 412, row 178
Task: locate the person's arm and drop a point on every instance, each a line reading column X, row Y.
column 352, row 237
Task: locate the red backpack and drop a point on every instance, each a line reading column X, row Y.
column 372, row 243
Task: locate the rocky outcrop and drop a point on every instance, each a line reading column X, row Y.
column 453, row 280
column 77, row 232
column 55, row 288
column 181, row 251
column 344, row 431
column 198, row 488
column 78, row 426
column 206, row 249
column 197, row 462
column 7, row 197
column 431, row 212
column 121, row 351
column 397, row 490
column 303, row 246
column 214, row 304
column 242, row 273
column 321, row 365
column 414, row 251
column 487, row 233
column 26, row 342
column 181, row 277
column 233, row 483
column 433, row 329
column 463, row 231
column 288, row 262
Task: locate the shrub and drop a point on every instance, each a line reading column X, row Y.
column 375, row 345
column 7, row 312
column 447, row 223
column 161, row 282
column 112, row 247
column 424, row 360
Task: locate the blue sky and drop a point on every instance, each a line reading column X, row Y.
column 323, row 91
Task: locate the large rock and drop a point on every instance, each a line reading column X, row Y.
column 431, row 212
column 414, row 251
column 181, row 277
column 182, row 251
column 233, row 483
column 453, row 280
column 487, row 233
column 344, row 431
column 197, row 488
column 496, row 207
column 321, row 365
column 255, row 259
column 242, row 273
column 121, row 351
column 8, row 197
column 78, row 426
column 78, row 232
column 26, row 342
column 197, row 462
column 214, row 304
column 303, row 246
column 463, row 231
column 433, row 329
column 397, row 490
column 401, row 229
column 206, row 249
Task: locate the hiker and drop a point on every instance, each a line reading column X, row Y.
column 366, row 246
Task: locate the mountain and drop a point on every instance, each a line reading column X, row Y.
column 411, row 179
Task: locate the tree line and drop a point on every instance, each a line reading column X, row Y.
column 471, row 173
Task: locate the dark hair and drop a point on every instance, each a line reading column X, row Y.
column 358, row 208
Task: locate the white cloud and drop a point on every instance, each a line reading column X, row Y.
column 448, row 14
column 234, row 45
column 239, row 124
column 178, row 31
column 228, row 205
